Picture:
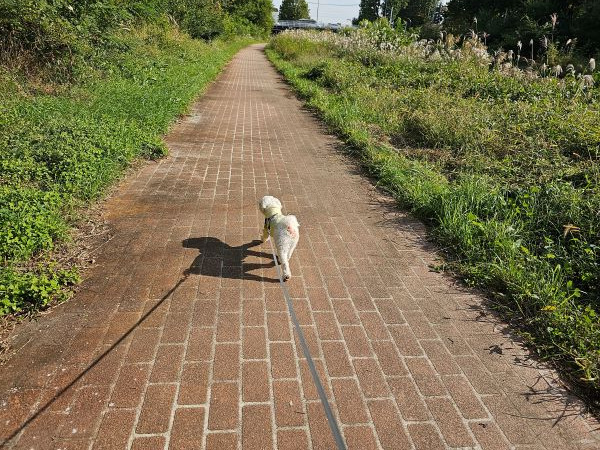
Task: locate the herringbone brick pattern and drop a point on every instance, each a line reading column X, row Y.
column 180, row 338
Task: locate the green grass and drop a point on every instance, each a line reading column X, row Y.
column 59, row 151
column 500, row 167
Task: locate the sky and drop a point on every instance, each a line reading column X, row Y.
column 332, row 11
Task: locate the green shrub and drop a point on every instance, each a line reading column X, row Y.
column 57, row 36
column 30, row 220
column 33, row 290
column 202, row 19
column 59, row 41
column 249, row 18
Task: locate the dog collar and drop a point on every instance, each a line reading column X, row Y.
column 270, row 214
column 272, row 211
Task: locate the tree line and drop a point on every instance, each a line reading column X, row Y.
column 49, row 29
column 413, row 12
column 566, row 25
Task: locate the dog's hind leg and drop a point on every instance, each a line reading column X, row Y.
column 285, row 264
column 292, row 249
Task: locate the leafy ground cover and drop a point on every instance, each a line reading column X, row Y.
column 502, row 161
column 62, row 145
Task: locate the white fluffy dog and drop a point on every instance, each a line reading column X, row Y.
column 283, row 230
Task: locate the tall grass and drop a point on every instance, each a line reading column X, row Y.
column 61, row 146
column 502, row 164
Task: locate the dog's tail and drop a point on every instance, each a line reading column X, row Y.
column 291, row 220
column 292, row 225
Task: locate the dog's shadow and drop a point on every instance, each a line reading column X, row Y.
column 218, row 259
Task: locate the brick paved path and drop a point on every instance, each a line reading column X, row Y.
column 408, row 359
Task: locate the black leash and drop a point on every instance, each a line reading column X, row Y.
column 335, row 429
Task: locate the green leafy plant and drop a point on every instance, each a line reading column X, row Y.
column 35, row 289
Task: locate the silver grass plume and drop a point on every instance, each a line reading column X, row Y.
column 557, row 70
column 554, row 19
column 587, row 81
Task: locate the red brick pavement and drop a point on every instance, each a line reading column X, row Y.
column 407, row 357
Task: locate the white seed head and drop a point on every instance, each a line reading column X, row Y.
column 519, row 45
column 557, row 70
column 587, row 81
column 592, row 64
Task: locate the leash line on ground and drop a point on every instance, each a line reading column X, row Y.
column 58, row 394
column 333, row 425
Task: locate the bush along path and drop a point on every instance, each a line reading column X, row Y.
column 61, row 150
column 502, row 164
column 180, row 338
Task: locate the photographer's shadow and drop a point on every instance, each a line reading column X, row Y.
column 218, row 259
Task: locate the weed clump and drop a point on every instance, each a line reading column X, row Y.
column 501, row 160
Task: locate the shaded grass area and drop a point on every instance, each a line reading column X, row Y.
column 62, row 146
column 505, row 172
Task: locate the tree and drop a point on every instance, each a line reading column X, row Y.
column 585, row 26
column 391, row 8
column 257, row 12
column 293, row 10
column 418, row 12
column 369, row 10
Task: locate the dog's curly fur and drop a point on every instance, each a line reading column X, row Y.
column 283, row 229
